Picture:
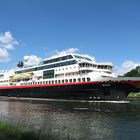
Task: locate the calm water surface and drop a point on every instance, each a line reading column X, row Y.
column 75, row 120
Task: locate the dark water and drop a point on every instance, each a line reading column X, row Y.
column 75, row 120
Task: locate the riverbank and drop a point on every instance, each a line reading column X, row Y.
column 134, row 95
column 11, row 132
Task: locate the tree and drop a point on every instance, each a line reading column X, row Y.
column 133, row 73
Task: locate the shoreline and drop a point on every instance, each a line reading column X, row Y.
column 9, row 131
column 61, row 100
column 134, row 95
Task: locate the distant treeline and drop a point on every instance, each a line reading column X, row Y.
column 133, row 73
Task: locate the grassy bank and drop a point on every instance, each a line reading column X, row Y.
column 134, row 95
column 10, row 132
column 14, row 132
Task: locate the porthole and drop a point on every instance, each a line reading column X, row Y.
column 83, row 79
column 79, row 79
column 74, row 80
column 88, row 79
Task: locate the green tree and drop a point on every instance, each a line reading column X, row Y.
column 133, row 73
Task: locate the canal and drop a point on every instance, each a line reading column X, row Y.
column 74, row 120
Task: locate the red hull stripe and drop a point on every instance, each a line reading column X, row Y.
column 46, row 85
column 133, row 83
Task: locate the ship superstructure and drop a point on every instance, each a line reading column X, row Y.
column 62, row 69
column 71, row 76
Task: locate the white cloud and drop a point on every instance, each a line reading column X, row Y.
column 70, row 50
column 4, row 55
column 7, row 42
column 67, row 51
column 31, row 60
column 126, row 67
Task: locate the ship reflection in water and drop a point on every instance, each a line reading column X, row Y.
column 74, row 119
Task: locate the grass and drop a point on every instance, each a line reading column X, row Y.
column 14, row 132
column 10, row 132
column 134, row 95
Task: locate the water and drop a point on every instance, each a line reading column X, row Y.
column 75, row 120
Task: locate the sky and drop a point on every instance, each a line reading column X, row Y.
column 108, row 30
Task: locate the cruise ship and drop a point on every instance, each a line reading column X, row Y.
column 67, row 76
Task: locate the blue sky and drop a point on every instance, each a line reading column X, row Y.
column 109, row 30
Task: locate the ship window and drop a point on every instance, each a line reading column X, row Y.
column 79, row 79
column 74, row 80
column 39, row 68
column 55, row 81
column 88, row 79
column 52, row 82
column 83, row 79
column 62, row 81
column 58, row 59
column 49, row 82
column 48, row 66
column 70, row 80
column 43, row 82
column 46, row 82
column 48, row 74
column 1, row 76
column 83, row 71
column 66, row 80
column 59, row 81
